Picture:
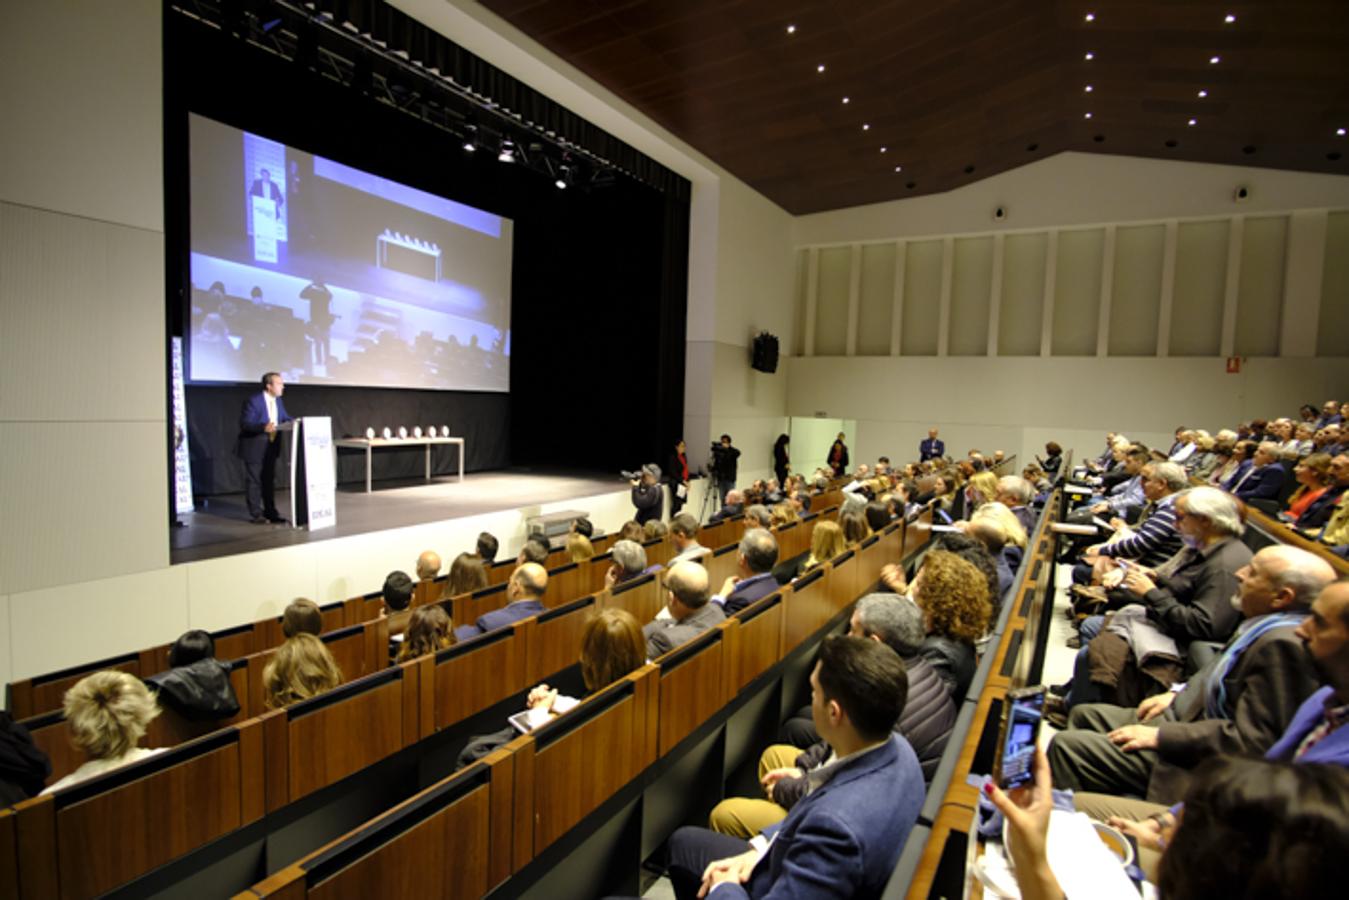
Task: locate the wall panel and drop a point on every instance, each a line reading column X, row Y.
column 1077, row 292
column 922, row 298
column 1137, row 291
column 1201, row 267
column 1260, row 292
column 877, row 300
column 971, row 281
column 831, row 304
column 1023, row 287
column 1332, row 329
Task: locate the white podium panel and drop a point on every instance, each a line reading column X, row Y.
column 313, row 474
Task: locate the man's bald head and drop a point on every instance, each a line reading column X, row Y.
column 687, row 581
column 1281, row 578
column 529, row 580
column 428, row 565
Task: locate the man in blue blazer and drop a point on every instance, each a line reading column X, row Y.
column 844, row 837
column 1264, row 480
column 258, row 447
column 757, row 555
column 524, row 593
column 931, row 448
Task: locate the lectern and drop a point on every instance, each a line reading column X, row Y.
column 313, row 474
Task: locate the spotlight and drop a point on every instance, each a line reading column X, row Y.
column 1229, row 18
column 1339, row 132
column 1090, row 56
column 791, row 29
column 563, row 177
column 507, row 154
column 1090, row 17
column 1214, row 60
column 1203, row 94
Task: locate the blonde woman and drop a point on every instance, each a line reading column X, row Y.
column 784, row 514
column 1000, row 513
column 579, row 548
column 301, row 668
column 107, row 713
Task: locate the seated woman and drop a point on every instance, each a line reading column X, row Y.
column 197, row 687
column 1243, row 452
column 980, row 489
column 877, row 514
column 1053, row 459
column 784, row 514
column 1313, row 477
column 953, row 596
column 108, row 713
column 429, row 629
column 301, row 668
column 579, row 548
column 826, row 542
column 467, row 574
column 612, row 647
column 855, row 528
column 654, row 528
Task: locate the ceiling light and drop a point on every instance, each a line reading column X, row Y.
column 1229, row 18
column 1090, row 56
column 846, row 100
column 899, row 168
column 820, row 67
column 866, row 127
column 1203, row 94
column 1087, row 89
column 469, row 146
column 563, row 176
column 883, row 149
column 1086, row 115
column 1339, row 132
column 1214, row 60
column 1192, row 122
column 1090, row 17
column 791, row 29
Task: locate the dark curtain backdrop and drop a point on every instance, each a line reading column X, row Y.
column 599, row 281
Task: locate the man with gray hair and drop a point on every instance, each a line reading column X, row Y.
column 757, row 555
column 690, row 613
column 1155, row 539
column 648, row 496
column 1239, row 702
column 758, row 516
column 734, row 506
column 1264, row 479
column 1016, row 493
column 629, row 562
column 684, row 536
column 927, row 720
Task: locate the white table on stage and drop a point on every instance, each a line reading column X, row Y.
column 370, row 445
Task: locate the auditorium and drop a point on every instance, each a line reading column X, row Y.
column 550, row 448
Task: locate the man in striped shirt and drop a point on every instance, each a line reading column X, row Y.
column 1155, row 540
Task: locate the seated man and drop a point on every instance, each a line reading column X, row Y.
column 1240, row 702
column 684, row 536
column 1264, row 479
column 487, row 547
column 428, row 566
column 758, row 516
column 1125, row 496
column 735, row 505
column 535, row 550
column 629, row 562
column 397, row 597
column 524, row 593
column 690, row 612
column 844, row 837
column 1153, row 540
column 1016, row 493
column 758, row 553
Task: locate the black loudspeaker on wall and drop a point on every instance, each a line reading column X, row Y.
column 765, row 353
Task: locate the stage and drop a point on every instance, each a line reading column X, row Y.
column 220, row 527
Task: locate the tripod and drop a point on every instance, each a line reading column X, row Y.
column 708, row 493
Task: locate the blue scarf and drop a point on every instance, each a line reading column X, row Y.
column 1215, row 697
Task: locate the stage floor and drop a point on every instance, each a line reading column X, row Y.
column 220, row 526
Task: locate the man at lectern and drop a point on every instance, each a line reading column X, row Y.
column 263, row 414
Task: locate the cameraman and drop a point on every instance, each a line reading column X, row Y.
column 723, row 467
column 647, row 494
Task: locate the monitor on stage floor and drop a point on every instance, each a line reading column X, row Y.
column 331, row 275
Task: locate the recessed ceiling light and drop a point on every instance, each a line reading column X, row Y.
column 1090, row 17
column 899, row 168
column 820, row 67
column 1214, row 60
column 1339, row 132
column 883, row 149
column 1192, row 122
column 1203, row 94
column 1086, row 115
column 846, row 100
column 1090, row 56
column 1088, row 89
column 791, row 29
column 866, row 127
column 1229, row 18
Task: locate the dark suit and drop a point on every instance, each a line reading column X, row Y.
column 268, row 189
column 499, row 618
column 842, row 839
column 663, row 635
column 1263, row 483
column 1265, row 686
column 259, row 451
column 932, row 448
column 756, row 587
column 729, row 511
column 1318, row 512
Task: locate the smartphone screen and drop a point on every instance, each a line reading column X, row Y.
column 1023, row 730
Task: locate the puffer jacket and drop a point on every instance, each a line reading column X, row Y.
column 953, row 660
column 198, row 692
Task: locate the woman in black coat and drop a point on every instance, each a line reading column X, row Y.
column 781, row 459
column 838, row 456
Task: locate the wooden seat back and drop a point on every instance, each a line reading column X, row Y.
column 658, row 550
column 453, row 839
column 596, row 568
column 722, row 564
column 565, row 583
column 557, row 642
column 466, row 608
column 793, row 540
column 335, row 615
column 474, row 675
column 317, row 742
column 230, row 643
column 89, row 838
column 29, row 697
column 757, row 644
column 643, row 597
column 807, row 606
column 694, row 684
column 500, row 571
column 842, row 583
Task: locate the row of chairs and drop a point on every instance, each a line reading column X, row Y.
column 92, row 837
column 41, row 694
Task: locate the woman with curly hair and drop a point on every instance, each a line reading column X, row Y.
column 301, row 668
column 953, row 596
column 429, row 630
column 107, row 713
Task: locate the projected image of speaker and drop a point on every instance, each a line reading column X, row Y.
column 764, row 353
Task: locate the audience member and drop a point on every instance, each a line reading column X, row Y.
column 397, row 596
column 932, row 448
column 24, row 768
column 838, row 457
column 1318, row 512
column 1236, row 467
column 654, row 530
column 1155, row 539
column 647, row 494
column 953, row 596
column 826, row 542
column 690, row 612
column 300, row 668
column 1016, row 493
column 1239, row 702
column 429, row 629
column 196, row 686
column 631, row 531
column 758, row 553
column 537, row 547
column 579, row 548
column 758, row 516
column 629, row 562
column 1052, row 460
column 684, row 537
column 583, row 527
column 107, row 714
column 524, row 598
column 855, row 528
column 428, row 566
column 487, row 547
column 784, row 514
column 467, row 574
column 302, row 616
column 1264, row 479
column 846, row 834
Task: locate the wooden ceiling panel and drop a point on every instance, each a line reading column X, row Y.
column 948, row 84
